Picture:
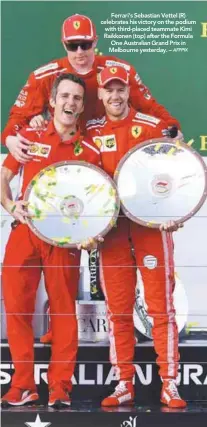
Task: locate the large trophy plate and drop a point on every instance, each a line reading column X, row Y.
column 70, row 202
column 161, row 180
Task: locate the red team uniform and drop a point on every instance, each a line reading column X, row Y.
column 27, row 256
column 118, row 270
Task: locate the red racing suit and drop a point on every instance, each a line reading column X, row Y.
column 27, row 256
column 153, row 252
column 34, row 97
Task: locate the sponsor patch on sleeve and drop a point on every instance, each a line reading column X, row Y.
column 48, row 67
column 137, row 78
column 21, row 99
column 147, row 118
column 147, row 96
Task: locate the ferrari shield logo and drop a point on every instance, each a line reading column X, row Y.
column 76, row 25
column 136, row 131
column 113, row 70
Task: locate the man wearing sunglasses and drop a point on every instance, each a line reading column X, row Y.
column 79, row 39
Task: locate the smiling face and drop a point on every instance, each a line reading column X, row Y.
column 68, row 104
column 115, row 96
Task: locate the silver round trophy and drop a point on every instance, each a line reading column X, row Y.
column 70, row 202
column 161, row 180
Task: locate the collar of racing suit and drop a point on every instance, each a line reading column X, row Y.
column 93, row 70
column 123, row 122
column 51, row 131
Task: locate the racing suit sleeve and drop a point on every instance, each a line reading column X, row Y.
column 11, row 163
column 142, row 100
column 30, row 102
column 157, row 132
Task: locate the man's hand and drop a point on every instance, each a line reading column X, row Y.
column 90, row 243
column 174, row 133
column 179, row 137
column 171, row 226
column 17, row 146
column 17, row 210
column 38, row 122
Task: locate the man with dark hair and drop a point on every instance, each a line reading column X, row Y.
column 27, row 256
column 72, row 78
column 79, row 39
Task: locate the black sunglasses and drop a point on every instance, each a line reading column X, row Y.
column 73, row 47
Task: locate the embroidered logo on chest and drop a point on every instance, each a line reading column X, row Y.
column 98, row 141
column 136, row 131
column 78, row 149
column 106, row 143
column 109, row 143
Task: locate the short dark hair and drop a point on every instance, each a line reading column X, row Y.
column 67, row 76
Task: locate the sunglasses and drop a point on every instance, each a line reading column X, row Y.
column 73, row 47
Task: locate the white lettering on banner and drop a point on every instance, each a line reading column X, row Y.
column 147, row 378
column 189, row 374
column 38, row 375
column 99, row 374
column 5, row 378
column 82, row 378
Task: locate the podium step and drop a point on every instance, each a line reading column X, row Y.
column 89, row 414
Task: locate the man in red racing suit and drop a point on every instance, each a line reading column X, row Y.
column 115, row 134
column 79, row 40
column 27, row 256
